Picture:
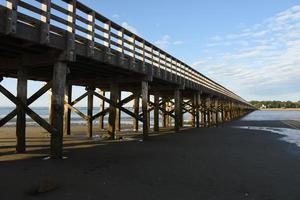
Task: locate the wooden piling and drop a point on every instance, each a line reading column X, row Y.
column 145, row 90
column 178, row 109
column 57, row 107
column 90, row 103
column 102, row 107
column 136, row 105
column 21, row 116
column 156, row 112
column 114, row 95
column 67, row 115
column 118, row 113
column 197, row 109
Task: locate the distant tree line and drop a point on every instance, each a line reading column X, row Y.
column 275, row 104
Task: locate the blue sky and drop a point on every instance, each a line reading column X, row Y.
column 251, row 47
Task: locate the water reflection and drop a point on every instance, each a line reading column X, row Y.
column 290, row 135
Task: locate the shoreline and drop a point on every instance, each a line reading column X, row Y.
column 280, row 109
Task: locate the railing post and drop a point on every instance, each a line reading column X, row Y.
column 71, row 55
column 107, row 36
column 91, row 34
column 45, row 18
column 11, row 23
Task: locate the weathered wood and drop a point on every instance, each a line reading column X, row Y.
column 21, row 117
column 118, row 113
column 45, row 19
column 58, row 92
column 79, row 99
column 145, row 96
column 67, row 115
column 193, row 113
column 156, row 112
column 71, row 53
column 78, row 112
column 198, row 109
column 34, row 97
column 136, row 110
column 114, row 95
column 90, row 103
column 102, row 106
column 114, row 104
column 29, row 112
column 11, row 23
column 163, row 115
column 178, row 109
column 49, row 106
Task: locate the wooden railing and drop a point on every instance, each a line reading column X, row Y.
column 84, row 25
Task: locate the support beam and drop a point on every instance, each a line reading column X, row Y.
column 67, row 115
column 118, row 113
column 90, row 102
column 156, row 112
column 114, row 95
column 145, row 96
column 136, row 105
column 197, row 109
column 57, row 108
column 178, row 109
column 21, row 116
column 102, row 107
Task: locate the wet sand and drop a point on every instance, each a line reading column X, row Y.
column 207, row 163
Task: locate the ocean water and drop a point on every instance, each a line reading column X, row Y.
column 291, row 135
column 266, row 115
column 75, row 119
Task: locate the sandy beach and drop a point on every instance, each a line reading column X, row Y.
column 206, row 163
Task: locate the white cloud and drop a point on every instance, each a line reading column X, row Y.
column 178, row 42
column 263, row 60
column 130, row 28
column 166, row 40
column 116, row 16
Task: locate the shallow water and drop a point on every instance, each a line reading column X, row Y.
column 266, row 115
column 289, row 135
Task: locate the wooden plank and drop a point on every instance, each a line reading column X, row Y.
column 21, row 116
column 58, row 92
column 145, row 96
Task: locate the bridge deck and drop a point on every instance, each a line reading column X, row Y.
column 65, row 43
column 97, row 48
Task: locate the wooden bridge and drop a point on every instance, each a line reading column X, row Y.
column 64, row 43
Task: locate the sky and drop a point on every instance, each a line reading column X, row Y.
column 250, row 47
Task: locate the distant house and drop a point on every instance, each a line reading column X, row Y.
column 263, row 107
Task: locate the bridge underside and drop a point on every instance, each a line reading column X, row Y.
column 101, row 70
